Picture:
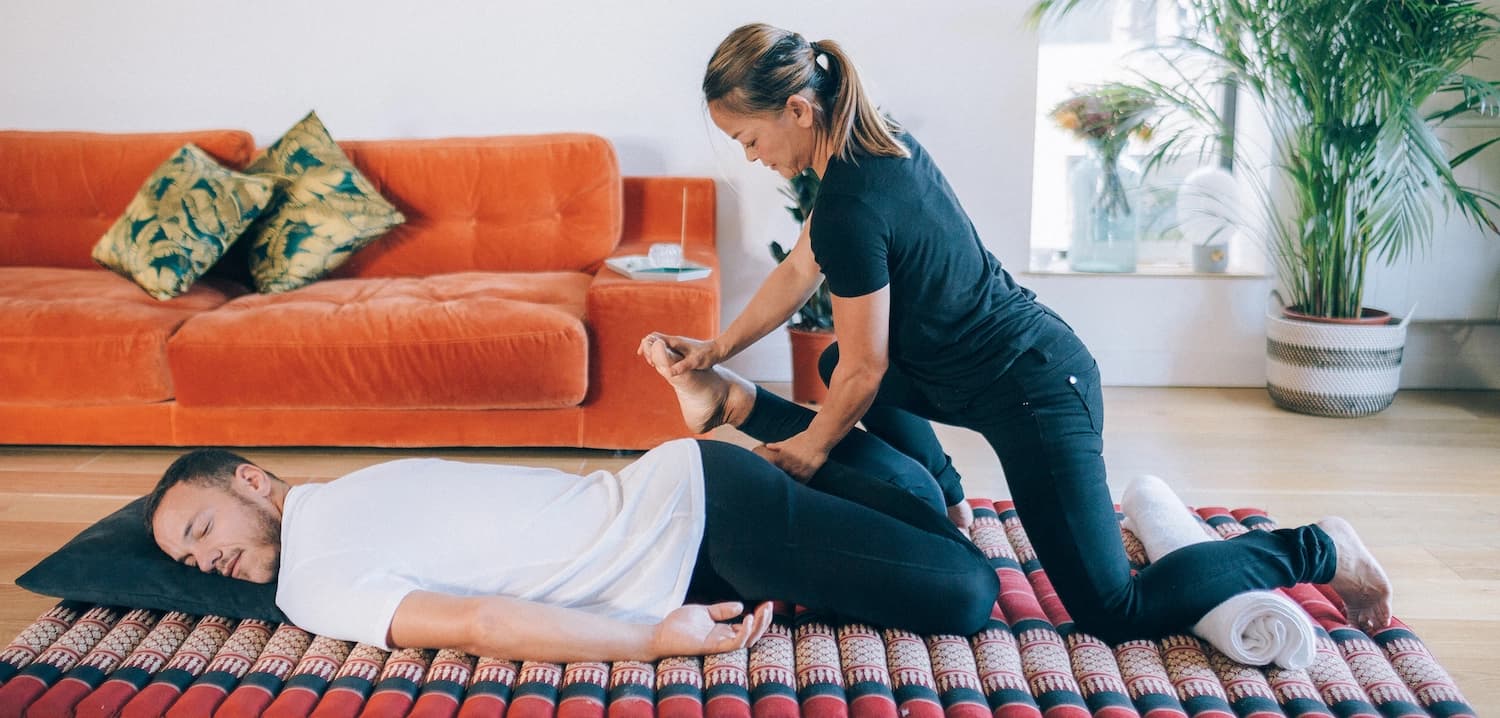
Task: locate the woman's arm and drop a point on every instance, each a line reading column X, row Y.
column 863, row 326
column 524, row 630
column 779, row 297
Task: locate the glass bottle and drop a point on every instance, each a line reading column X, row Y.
column 1105, row 222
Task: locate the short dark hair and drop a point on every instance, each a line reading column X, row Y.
column 204, row 467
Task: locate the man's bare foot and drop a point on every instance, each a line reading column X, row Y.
column 961, row 514
column 708, row 397
column 1358, row 580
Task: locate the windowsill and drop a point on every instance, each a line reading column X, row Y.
column 1060, row 269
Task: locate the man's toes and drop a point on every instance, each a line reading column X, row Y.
column 660, row 357
column 961, row 515
column 1370, row 619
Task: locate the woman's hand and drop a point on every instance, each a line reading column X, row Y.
column 694, row 630
column 799, row 456
column 696, row 353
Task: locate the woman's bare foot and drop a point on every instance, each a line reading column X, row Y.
column 708, row 397
column 1358, row 580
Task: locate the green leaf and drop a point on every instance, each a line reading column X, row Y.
column 1356, row 168
column 1466, row 154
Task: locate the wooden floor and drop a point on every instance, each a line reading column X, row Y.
column 1421, row 481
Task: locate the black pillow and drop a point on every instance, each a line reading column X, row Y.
column 116, row 562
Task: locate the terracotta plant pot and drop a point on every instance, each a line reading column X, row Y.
column 1366, row 316
column 807, row 386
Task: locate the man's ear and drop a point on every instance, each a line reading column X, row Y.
column 252, row 479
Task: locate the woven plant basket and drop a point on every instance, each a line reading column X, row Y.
column 1333, row 369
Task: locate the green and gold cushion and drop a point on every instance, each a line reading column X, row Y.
column 181, row 222
column 324, row 213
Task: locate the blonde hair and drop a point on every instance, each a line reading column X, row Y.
column 757, row 67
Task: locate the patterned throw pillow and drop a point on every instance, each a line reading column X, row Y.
column 189, row 211
column 326, row 212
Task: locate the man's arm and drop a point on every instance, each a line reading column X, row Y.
column 524, row 630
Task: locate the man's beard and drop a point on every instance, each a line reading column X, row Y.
column 269, row 526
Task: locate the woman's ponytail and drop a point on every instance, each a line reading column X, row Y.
column 854, row 120
column 757, row 67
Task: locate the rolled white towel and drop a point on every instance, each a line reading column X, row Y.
column 1256, row 627
column 1159, row 519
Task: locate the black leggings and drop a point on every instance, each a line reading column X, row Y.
column 862, row 540
column 1044, row 417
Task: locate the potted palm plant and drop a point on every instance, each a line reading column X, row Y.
column 1356, row 166
column 811, row 328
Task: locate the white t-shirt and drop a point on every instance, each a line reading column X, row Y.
column 620, row 546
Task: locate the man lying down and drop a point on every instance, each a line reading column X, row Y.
column 540, row 564
column 529, row 563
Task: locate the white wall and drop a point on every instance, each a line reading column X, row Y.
column 1189, row 331
column 959, row 73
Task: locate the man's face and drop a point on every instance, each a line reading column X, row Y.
column 233, row 531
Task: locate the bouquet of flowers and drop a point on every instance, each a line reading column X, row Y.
column 1105, row 117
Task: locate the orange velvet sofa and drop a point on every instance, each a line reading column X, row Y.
column 487, row 319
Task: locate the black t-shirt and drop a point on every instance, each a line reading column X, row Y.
column 958, row 320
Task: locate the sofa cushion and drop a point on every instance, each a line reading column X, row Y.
column 87, row 336
column 59, row 191
column 474, row 340
column 324, row 214
column 495, row 204
column 181, row 221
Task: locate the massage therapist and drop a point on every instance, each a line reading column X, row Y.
column 930, row 327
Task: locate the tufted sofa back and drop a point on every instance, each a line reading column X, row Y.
column 517, row 203
column 59, row 191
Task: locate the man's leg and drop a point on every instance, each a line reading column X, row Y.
column 713, row 396
column 897, row 418
column 881, row 559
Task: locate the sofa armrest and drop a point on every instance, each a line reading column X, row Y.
column 628, row 405
column 654, row 210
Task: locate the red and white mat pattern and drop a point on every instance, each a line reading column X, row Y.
column 99, row 661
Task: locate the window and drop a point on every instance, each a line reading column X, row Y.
column 1099, row 42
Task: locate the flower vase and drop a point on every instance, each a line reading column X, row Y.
column 1105, row 224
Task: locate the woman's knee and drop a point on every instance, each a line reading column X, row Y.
column 827, row 362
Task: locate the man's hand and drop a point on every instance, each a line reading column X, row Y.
column 799, row 456
column 696, row 353
column 695, row 630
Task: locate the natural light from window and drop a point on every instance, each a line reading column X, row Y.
column 1099, row 42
